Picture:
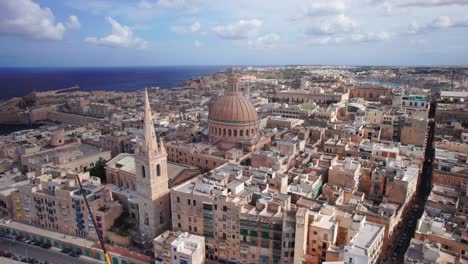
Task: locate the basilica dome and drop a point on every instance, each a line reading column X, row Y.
column 232, row 116
column 233, row 108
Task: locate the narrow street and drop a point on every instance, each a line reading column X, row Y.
column 403, row 236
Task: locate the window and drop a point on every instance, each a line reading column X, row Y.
column 188, row 201
column 158, row 170
column 244, row 232
column 207, row 207
column 146, row 222
column 143, row 173
column 178, row 199
column 194, row 203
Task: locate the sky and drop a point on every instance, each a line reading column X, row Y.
column 72, row 33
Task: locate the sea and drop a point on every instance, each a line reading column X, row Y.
column 22, row 81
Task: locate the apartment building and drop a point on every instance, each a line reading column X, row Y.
column 179, row 247
column 57, row 204
column 345, row 173
column 241, row 219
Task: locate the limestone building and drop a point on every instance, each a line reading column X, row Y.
column 151, row 180
column 178, row 247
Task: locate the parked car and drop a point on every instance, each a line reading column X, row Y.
column 20, row 238
column 65, row 250
column 74, row 254
column 36, row 243
column 46, row 245
column 7, row 254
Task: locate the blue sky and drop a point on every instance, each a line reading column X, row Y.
column 235, row 32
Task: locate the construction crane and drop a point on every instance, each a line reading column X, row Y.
column 101, row 241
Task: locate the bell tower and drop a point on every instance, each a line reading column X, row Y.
column 151, row 180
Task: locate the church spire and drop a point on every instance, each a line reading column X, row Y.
column 151, row 146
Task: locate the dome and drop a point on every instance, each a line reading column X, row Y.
column 234, row 109
column 232, row 116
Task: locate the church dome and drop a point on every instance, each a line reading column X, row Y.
column 233, row 108
column 232, row 116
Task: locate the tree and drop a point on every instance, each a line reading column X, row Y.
column 99, row 170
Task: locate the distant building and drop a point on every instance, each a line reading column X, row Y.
column 77, row 157
column 454, row 96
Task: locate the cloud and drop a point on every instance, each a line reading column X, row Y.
column 440, row 23
column 240, row 30
column 386, row 5
column 181, row 5
column 73, row 22
column 331, row 26
column 327, row 23
column 369, row 37
column 325, row 8
column 265, row 42
column 121, row 36
column 197, row 44
column 349, row 38
column 26, row 18
column 194, row 27
column 433, row 3
column 145, row 4
column 389, row 6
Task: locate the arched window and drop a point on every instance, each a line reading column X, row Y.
column 224, row 131
column 146, row 222
column 247, row 132
column 241, row 133
column 230, row 132
column 219, row 131
column 235, row 132
column 158, row 170
column 143, row 172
